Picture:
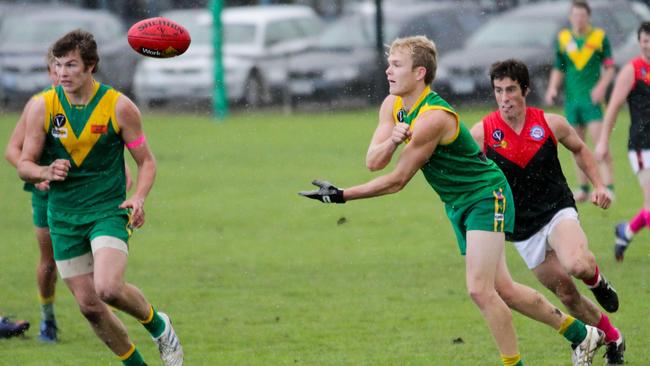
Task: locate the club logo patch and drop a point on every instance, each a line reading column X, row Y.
column 537, row 133
column 99, row 129
column 497, row 135
column 59, row 120
column 401, row 115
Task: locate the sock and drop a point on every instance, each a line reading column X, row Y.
column 637, row 223
column 592, row 282
column 512, row 360
column 154, row 323
column 610, row 187
column 611, row 333
column 646, row 215
column 47, row 308
column 573, row 330
column 132, row 357
column 585, row 188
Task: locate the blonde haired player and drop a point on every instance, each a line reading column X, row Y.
column 477, row 198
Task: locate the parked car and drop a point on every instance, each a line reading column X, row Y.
column 257, row 42
column 24, row 41
column 526, row 33
column 344, row 63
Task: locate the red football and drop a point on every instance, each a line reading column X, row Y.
column 159, row 37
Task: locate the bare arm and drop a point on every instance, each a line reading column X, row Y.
column 129, row 121
column 555, row 81
column 599, row 91
column 622, row 88
column 568, row 137
column 387, row 137
column 429, row 129
column 478, row 134
column 28, row 168
column 15, row 144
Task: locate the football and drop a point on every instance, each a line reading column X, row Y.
column 159, row 37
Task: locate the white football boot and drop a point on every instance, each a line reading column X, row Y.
column 171, row 351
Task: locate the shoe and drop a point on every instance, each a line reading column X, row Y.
column 614, row 353
column 621, row 241
column 606, row 295
column 10, row 329
column 583, row 353
column 580, row 195
column 48, row 331
column 171, row 351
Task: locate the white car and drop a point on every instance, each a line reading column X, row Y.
column 257, row 42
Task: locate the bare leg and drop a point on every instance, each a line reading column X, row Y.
column 484, row 250
column 46, row 269
column 110, row 286
column 103, row 322
column 554, row 277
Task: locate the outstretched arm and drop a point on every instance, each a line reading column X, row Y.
column 568, row 137
column 622, row 88
column 128, row 117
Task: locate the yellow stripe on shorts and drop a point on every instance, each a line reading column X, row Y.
column 499, row 210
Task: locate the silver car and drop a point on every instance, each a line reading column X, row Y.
column 257, row 42
column 24, row 41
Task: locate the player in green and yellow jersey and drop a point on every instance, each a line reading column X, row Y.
column 477, row 197
column 46, row 268
column 75, row 138
column 580, row 53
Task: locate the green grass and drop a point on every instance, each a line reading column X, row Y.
column 253, row 274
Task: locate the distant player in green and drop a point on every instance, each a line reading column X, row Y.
column 46, row 269
column 580, row 53
column 477, row 197
column 80, row 129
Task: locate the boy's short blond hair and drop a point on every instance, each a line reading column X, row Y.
column 422, row 50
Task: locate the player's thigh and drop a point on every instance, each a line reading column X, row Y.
column 109, row 242
column 569, row 242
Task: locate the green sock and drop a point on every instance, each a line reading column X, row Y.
column 47, row 312
column 155, row 324
column 610, row 187
column 585, row 188
column 576, row 332
column 135, row 359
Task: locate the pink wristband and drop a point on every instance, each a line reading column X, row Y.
column 137, row 142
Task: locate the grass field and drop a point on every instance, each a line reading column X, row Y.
column 253, row 274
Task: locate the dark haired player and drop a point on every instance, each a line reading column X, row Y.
column 523, row 142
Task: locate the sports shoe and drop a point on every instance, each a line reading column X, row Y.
column 614, row 353
column 171, row 351
column 606, row 295
column 48, row 331
column 583, row 353
column 10, row 329
column 621, row 241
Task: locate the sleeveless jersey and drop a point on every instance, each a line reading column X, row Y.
column 530, row 162
column 87, row 136
column 29, row 187
column 457, row 170
column 639, row 103
column 580, row 58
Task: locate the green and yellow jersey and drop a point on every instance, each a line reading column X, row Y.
column 580, row 58
column 87, row 136
column 457, row 170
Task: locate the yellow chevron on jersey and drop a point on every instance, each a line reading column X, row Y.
column 96, row 123
column 580, row 56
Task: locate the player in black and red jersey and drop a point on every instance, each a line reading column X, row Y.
column 523, row 142
column 633, row 84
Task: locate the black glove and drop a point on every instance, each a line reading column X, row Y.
column 327, row 193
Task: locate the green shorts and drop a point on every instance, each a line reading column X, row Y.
column 71, row 233
column 39, row 208
column 496, row 214
column 580, row 113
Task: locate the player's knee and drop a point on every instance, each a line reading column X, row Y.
column 508, row 293
column 482, row 296
column 108, row 291
column 582, row 267
column 91, row 310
